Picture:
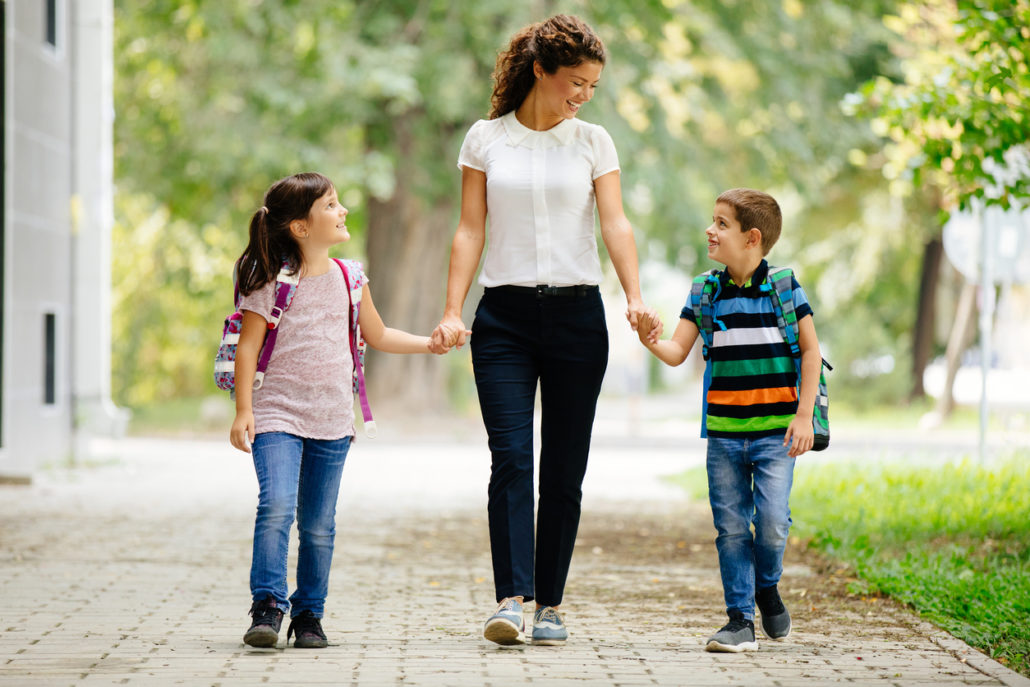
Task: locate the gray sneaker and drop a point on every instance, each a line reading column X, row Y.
column 775, row 617
column 548, row 627
column 735, row 636
column 506, row 625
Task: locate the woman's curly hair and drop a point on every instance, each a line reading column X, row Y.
column 561, row 41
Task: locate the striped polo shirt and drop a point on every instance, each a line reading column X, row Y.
column 753, row 392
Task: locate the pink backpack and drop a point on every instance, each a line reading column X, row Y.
column 285, row 289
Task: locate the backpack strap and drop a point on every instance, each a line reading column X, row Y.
column 779, row 285
column 354, row 334
column 285, row 289
column 704, row 291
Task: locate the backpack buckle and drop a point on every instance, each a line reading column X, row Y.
column 276, row 314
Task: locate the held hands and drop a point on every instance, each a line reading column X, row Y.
column 242, row 431
column 800, row 430
column 645, row 322
column 450, row 333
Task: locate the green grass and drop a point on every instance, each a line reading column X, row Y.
column 210, row 416
column 952, row 540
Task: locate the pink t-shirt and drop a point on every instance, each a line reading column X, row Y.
column 307, row 389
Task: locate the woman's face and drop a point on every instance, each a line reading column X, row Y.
column 569, row 88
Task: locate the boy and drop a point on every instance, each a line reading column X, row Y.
column 757, row 422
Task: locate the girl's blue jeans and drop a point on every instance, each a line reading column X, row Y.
column 749, row 483
column 296, row 476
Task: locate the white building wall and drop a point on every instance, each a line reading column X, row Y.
column 55, row 139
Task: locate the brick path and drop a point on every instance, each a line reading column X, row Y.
column 133, row 570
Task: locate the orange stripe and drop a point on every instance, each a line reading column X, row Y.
column 783, row 394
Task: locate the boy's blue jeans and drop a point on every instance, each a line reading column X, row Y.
column 749, row 482
column 295, row 476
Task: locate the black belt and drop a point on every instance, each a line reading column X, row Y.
column 544, row 291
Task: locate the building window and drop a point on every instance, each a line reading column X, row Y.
column 51, row 22
column 50, row 359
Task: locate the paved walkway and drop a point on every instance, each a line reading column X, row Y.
column 133, row 570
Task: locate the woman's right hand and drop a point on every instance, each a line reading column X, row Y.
column 242, row 432
column 451, row 332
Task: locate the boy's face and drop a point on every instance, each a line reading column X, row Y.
column 726, row 242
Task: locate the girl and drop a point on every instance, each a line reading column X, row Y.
column 298, row 425
column 538, row 172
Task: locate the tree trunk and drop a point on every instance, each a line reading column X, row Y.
column 961, row 334
column 922, row 345
column 408, row 244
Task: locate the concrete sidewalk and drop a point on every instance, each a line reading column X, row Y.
column 133, row 570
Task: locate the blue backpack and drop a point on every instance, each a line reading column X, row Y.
column 778, row 285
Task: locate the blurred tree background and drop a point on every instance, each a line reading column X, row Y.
column 848, row 112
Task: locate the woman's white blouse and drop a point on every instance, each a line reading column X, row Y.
column 539, row 199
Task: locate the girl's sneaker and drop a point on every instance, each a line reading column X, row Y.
column 309, row 632
column 264, row 630
column 548, row 627
column 506, row 625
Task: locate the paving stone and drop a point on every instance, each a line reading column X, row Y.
column 135, row 572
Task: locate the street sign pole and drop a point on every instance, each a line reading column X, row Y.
column 986, row 320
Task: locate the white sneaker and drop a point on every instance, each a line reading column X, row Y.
column 506, row 625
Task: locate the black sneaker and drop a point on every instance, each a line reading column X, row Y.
column 309, row 631
column 268, row 618
column 775, row 618
column 735, row 636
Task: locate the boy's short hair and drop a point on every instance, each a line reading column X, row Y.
column 755, row 209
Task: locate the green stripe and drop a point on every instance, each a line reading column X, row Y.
column 754, row 424
column 754, row 366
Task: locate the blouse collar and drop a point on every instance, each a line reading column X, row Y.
column 519, row 134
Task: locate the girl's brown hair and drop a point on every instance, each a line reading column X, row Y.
column 561, row 41
column 271, row 242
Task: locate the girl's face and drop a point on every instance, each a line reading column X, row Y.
column 327, row 221
column 569, row 88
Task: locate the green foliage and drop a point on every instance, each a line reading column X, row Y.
column 171, row 291
column 214, row 101
column 951, row 540
column 962, row 107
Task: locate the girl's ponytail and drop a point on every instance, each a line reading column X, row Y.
column 271, row 243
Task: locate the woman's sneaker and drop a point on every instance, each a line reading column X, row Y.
column 506, row 625
column 735, row 636
column 309, row 632
column 775, row 618
column 548, row 627
column 264, row 630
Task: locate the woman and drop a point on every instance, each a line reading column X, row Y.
column 538, row 172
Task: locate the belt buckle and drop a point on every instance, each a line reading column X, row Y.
column 545, row 290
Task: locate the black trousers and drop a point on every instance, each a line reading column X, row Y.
column 520, row 337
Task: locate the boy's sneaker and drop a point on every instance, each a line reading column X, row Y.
column 735, row 636
column 264, row 630
column 309, row 632
column 548, row 627
column 775, row 618
column 506, row 625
